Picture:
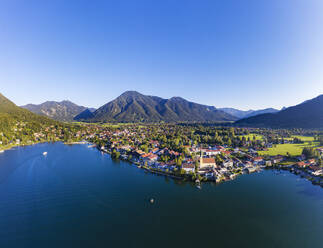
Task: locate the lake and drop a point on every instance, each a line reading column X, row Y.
column 78, row 197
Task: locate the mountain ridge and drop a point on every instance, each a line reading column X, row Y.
column 308, row 114
column 132, row 106
column 10, row 112
column 240, row 114
column 61, row 111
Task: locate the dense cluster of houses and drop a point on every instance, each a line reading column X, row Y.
column 308, row 168
column 214, row 163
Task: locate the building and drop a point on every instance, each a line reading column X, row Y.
column 228, row 163
column 149, row 157
column 155, row 150
column 207, row 162
column 258, row 159
column 316, row 170
column 320, row 150
column 277, row 159
column 301, row 164
column 250, row 169
column 188, row 167
column 268, row 163
column 209, row 152
column 152, row 157
column 226, row 152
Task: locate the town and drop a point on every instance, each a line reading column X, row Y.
column 208, row 153
column 192, row 152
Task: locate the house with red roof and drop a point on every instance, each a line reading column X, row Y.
column 226, row 152
column 207, row 162
column 188, row 167
column 301, row 164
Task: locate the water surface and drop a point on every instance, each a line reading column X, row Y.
column 77, row 197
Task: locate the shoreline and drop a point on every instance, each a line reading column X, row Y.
column 176, row 177
column 217, row 181
column 299, row 173
column 3, row 149
column 77, row 143
column 184, row 177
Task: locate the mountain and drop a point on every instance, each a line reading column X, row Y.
column 240, row 114
column 61, row 111
column 132, row 106
column 86, row 114
column 6, row 106
column 308, row 114
column 9, row 113
column 91, row 109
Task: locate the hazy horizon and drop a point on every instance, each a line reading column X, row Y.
column 239, row 108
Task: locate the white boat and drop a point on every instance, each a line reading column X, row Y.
column 1, row 151
column 44, row 153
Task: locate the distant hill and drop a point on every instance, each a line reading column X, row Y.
column 6, row 106
column 132, row 106
column 240, row 114
column 10, row 113
column 61, row 111
column 308, row 114
column 86, row 114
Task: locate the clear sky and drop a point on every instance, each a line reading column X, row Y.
column 225, row 53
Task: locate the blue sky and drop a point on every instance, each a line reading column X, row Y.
column 242, row 54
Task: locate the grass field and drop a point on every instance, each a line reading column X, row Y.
column 303, row 138
column 112, row 125
column 283, row 149
column 118, row 125
column 251, row 135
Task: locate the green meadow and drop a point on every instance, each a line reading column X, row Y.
column 302, row 138
column 251, row 136
column 283, row 149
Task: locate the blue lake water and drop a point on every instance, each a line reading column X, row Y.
column 78, row 197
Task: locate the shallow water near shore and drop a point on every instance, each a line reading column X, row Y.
column 76, row 196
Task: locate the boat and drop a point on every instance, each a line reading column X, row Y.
column 1, row 151
column 44, row 153
column 198, row 183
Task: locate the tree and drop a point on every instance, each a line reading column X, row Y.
column 308, row 152
column 320, row 162
column 197, row 165
column 218, row 159
column 179, row 161
column 320, row 139
column 115, row 154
